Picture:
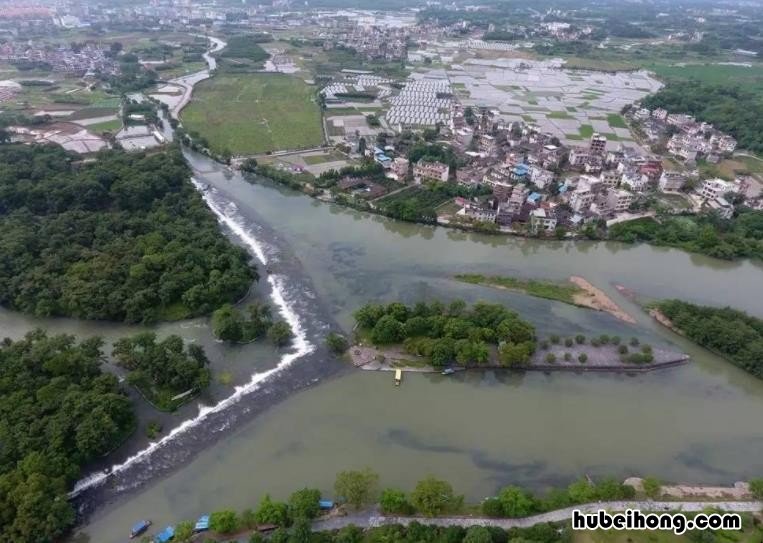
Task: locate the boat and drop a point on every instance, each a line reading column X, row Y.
column 139, row 527
column 325, row 505
column 165, row 535
column 398, row 377
column 448, row 371
column 202, row 525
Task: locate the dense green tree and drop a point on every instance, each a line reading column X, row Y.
column 280, row 333
column 184, row 532
column 756, row 488
column 223, row 522
column 516, row 502
column 434, row 496
column 492, row 507
column 337, row 343
column 304, row 504
column 57, row 413
column 126, row 238
column 357, row 487
column 387, row 330
column 478, row 534
column 394, row 502
column 162, row 369
column 272, row 512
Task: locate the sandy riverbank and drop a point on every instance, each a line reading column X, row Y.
column 597, row 299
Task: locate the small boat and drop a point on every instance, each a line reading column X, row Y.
column 139, row 527
column 202, row 525
column 398, row 377
column 448, row 371
column 325, row 505
column 165, row 535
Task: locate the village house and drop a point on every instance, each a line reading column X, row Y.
column 436, row 171
column 671, row 181
column 398, row 169
column 542, row 221
column 619, row 200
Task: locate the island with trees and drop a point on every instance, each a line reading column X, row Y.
column 430, row 337
column 58, row 412
column 731, row 333
column 167, row 373
column 253, row 323
column 124, row 238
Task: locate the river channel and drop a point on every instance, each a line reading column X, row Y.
column 480, row 430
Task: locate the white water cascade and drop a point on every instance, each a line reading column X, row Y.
column 301, row 347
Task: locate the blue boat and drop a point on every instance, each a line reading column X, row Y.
column 165, row 535
column 326, row 504
column 202, row 525
column 139, row 527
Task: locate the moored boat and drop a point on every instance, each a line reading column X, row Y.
column 139, row 527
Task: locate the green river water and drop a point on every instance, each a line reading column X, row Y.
column 700, row 422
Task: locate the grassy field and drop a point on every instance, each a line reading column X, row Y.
column 254, row 113
column 107, row 126
column 540, row 289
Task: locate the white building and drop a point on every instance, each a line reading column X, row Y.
column 542, row 221
column 671, row 181
column 619, row 200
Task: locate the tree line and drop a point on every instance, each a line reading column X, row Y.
column 58, row 411
column 450, row 334
column 125, row 238
column 740, row 237
column 730, row 332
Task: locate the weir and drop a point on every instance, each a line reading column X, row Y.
column 301, row 346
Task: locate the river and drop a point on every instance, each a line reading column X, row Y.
column 695, row 423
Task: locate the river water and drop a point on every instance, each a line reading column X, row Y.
column 699, row 422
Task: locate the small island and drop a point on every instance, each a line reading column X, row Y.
column 578, row 291
column 438, row 337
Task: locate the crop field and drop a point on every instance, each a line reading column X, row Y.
column 254, row 113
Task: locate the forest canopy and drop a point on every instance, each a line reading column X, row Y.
column 126, row 238
column 58, row 411
column 730, row 332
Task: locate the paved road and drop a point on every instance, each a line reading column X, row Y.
column 372, row 518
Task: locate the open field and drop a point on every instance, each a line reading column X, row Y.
column 254, row 113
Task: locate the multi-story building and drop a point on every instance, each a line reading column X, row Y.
column 542, row 221
column 582, row 197
column 610, row 178
column 598, row 144
column 712, row 189
column 671, row 181
column 436, row 171
column 619, row 200
column 398, row 170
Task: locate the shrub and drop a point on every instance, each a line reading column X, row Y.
column 622, row 349
column 646, row 349
column 153, row 429
column 595, row 342
column 567, row 357
column 580, row 339
column 604, row 339
column 223, row 522
column 337, row 343
column 544, row 345
column 492, row 507
column 550, row 358
column 568, row 342
column 305, row 503
column 634, row 342
column 434, row 496
column 554, row 339
column 582, row 358
column 652, row 487
column 394, row 502
column 615, row 340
